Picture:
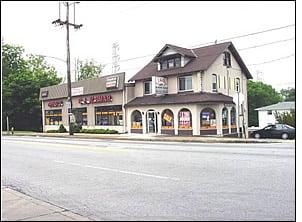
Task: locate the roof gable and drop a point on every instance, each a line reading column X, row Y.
column 278, row 106
column 176, row 49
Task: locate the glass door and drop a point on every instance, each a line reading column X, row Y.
column 151, row 122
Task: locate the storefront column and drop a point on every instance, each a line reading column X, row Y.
column 195, row 121
column 90, row 116
column 43, row 116
column 129, row 112
column 229, row 119
column 144, row 122
column 159, row 122
column 219, row 120
column 175, row 115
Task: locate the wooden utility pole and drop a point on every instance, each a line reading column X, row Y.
column 59, row 22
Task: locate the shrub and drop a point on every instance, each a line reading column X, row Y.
column 52, row 131
column 99, row 131
column 62, row 129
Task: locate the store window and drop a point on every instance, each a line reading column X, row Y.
column 225, row 118
column 167, row 119
column 53, row 117
column 109, row 115
column 184, row 119
column 208, row 119
column 136, row 120
column 80, row 115
column 185, row 83
column 233, row 117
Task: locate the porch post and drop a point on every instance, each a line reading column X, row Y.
column 229, row 120
column 219, row 120
column 158, row 122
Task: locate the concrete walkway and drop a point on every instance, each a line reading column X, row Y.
column 18, row 206
column 154, row 137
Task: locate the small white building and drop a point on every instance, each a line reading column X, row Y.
column 266, row 114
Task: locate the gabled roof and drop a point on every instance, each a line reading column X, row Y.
column 90, row 86
column 181, row 98
column 180, row 50
column 278, row 106
column 202, row 58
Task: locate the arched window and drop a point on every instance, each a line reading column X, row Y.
column 225, row 117
column 167, row 119
column 214, row 83
column 184, row 119
column 208, row 118
column 233, row 117
column 136, row 120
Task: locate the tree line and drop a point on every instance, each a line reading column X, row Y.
column 24, row 75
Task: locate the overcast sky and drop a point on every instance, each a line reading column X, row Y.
column 143, row 28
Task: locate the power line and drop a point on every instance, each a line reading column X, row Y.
column 265, row 44
column 274, row 60
column 245, row 35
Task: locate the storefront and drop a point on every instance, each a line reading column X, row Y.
column 97, row 103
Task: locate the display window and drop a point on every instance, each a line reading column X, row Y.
column 208, row 119
column 136, row 120
column 167, row 119
column 53, row 117
column 109, row 115
column 184, row 119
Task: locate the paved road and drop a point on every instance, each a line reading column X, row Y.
column 128, row 180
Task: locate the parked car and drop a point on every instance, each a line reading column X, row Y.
column 281, row 131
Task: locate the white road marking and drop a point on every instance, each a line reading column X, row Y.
column 119, row 171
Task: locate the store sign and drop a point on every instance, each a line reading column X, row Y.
column 96, row 99
column 112, row 82
column 55, row 103
column 160, row 85
column 77, row 91
column 167, row 117
column 44, row 94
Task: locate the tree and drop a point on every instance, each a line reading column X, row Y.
column 89, row 69
column 22, row 78
column 288, row 118
column 289, row 94
column 260, row 94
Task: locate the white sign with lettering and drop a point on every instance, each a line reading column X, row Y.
column 112, row 82
column 159, row 85
column 77, row 91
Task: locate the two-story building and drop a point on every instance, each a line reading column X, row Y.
column 200, row 91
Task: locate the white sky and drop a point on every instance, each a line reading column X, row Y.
column 142, row 28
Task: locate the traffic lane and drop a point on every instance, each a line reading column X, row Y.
column 215, row 186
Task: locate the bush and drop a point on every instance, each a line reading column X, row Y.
column 52, row 131
column 99, row 131
column 75, row 128
column 62, row 129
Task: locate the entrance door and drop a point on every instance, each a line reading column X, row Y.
column 151, row 122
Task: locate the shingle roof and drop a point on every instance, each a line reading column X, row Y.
column 278, row 106
column 205, row 56
column 181, row 98
column 90, row 86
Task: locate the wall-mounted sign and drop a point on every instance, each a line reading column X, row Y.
column 167, row 117
column 55, row 103
column 112, row 82
column 159, row 85
column 77, row 91
column 96, row 99
column 44, row 93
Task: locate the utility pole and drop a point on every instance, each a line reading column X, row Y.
column 59, row 22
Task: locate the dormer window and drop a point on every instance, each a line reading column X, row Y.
column 170, row 63
column 227, row 59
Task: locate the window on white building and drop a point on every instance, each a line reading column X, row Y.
column 147, row 87
column 185, row 83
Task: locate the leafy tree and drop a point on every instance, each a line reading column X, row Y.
column 22, row 78
column 288, row 118
column 288, row 94
column 260, row 94
column 89, row 69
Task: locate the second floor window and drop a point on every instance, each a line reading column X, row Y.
column 170, row 63
column 147, row 87
column 185, row 83
column 227, row 59
column 214, row 83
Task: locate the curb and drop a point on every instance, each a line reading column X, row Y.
column 166, row 139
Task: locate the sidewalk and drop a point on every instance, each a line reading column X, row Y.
column 154, row 137
column 18, row 206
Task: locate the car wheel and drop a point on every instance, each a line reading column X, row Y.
column 257, row 136
column 284, row 136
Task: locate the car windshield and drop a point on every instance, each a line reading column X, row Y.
column 269, row 127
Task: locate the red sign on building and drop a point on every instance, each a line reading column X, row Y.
column 55, row 103
column 96, row 99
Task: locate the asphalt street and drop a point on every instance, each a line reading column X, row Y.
column 129, row 180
